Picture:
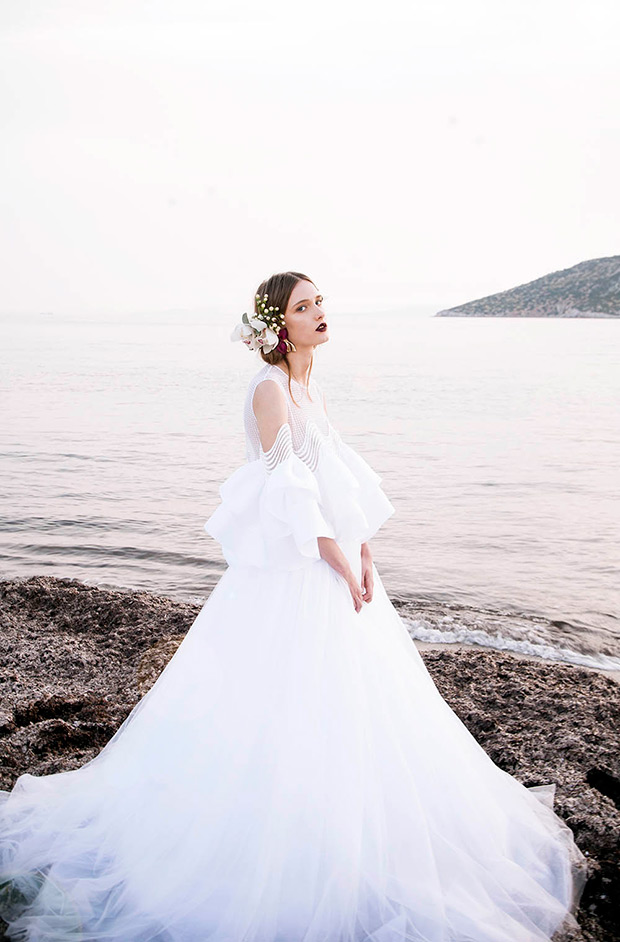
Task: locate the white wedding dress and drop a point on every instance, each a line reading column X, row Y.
column 294, row 774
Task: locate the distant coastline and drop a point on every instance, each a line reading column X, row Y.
column 589, row 289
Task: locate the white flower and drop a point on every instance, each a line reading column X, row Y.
column 256, row 335
column 269, row 339
column 242, row 332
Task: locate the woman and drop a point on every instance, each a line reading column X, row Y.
column 293, row 775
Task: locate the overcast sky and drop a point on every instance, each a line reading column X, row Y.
column 172, row 154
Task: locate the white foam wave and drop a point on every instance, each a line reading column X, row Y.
column 421, row 632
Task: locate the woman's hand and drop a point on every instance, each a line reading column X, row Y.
column 332, row 553
column 355, row 589
column 367, row 574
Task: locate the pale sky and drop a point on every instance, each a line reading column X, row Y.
column 173, row 153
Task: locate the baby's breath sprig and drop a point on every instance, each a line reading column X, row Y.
column 270, row 315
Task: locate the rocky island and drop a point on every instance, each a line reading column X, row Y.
column 76, row 658
column 589, row 289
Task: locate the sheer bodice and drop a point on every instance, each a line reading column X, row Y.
column 307, row 418
column 308, row 484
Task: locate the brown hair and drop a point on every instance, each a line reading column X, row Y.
column 279, row 289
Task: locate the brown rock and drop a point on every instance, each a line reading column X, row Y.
column 75, row 659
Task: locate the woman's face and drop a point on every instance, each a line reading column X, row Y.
column 303, row 315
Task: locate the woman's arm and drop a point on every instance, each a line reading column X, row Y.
column 270, row 409
column 367, row 574
column 339, row 562
column 332, row 554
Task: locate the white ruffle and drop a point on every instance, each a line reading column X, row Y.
column 274, row 519
column 352, row 493
column 270, row 520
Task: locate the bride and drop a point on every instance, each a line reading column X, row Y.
column 294, row 774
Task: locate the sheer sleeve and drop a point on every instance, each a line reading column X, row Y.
column 290, row 501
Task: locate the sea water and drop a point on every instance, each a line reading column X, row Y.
column 498, row 442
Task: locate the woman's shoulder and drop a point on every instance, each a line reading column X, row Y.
column 267, row 371
column 258, row 389
column 263, row 373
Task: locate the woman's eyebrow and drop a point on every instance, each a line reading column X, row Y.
column 307, row 299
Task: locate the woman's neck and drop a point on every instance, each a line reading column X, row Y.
column 296, row 369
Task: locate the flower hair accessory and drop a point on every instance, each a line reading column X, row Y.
column 265, row 330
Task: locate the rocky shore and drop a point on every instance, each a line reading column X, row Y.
column 75, row 659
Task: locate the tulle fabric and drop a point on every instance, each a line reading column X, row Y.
column 293, row 775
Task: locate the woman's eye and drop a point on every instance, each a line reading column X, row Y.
column 299, row 309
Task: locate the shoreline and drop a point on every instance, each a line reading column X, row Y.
column 454, row 646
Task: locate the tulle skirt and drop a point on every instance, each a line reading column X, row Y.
column 293, row 775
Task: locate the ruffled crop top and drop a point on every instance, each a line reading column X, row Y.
column 309, row 483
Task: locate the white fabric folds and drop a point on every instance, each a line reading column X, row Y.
column 273, row 509
column 357, row 503
column 294, row 775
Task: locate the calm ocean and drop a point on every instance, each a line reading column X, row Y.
column 498, row 441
